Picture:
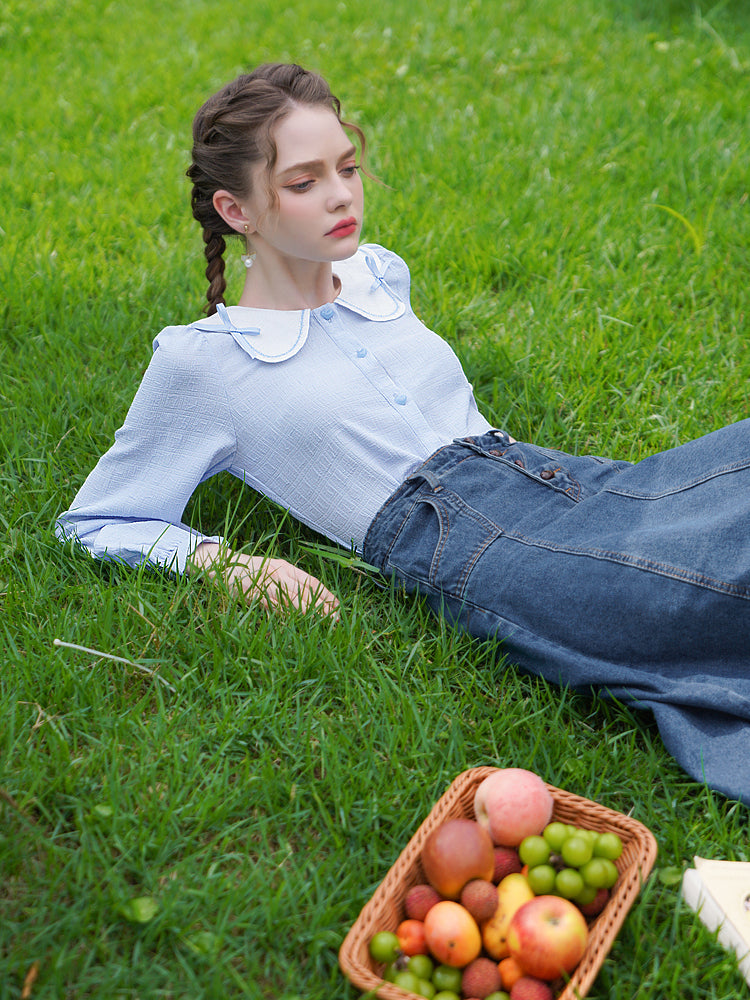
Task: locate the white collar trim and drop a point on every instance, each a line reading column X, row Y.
column 275, row 335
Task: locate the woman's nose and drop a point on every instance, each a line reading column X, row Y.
column 340, row 196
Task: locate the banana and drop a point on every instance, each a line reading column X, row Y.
column 512, row 892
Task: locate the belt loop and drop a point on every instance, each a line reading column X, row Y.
column 426, row 475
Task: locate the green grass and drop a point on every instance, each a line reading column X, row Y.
column 568, row 182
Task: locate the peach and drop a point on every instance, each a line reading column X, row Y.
column 411, row 937
column 452, row 934
column 511, row 804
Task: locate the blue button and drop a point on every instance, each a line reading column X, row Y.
column 362, row 352
column 401, row 400
column 327, row 312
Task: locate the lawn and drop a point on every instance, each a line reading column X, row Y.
column 568, row 181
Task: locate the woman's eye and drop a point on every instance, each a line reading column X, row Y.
column 350, row 171
column 301, row 186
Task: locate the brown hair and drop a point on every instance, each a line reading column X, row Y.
column 232, row 132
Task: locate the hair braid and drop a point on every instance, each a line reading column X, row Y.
column 215, row 245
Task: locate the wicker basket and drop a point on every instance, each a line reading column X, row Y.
column 384, row 910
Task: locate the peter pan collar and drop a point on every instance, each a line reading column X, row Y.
column 275, row 335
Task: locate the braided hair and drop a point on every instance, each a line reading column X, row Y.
column 232, row 132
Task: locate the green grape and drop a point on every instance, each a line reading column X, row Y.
column 541, row 879
column 446, row 995
column 447, row 979
column 586, row 895
column 384, row 946
column 608, row 845
column 426, row 989
column 595, row 873
column 568, row 883
column 422, row 966
column 555, row 834
column 406, row 980
column 576, row 851
column 533, row 851
column 612, row 873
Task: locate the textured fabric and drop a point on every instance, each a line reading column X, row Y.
column 633, row 579
column 325, row 411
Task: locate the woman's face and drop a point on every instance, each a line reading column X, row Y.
column 317, row 215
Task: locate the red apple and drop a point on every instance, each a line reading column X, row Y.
column 547, row 936
column 511, row 804
column 456, row 852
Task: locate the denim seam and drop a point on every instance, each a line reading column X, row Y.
column 637, row 562
column 682, row 488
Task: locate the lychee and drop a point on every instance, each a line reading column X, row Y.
column 506, row 863
column 419, row 901
column 480, row 898
column 480, row 978
column 530, row 988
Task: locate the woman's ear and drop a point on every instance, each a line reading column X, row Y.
column 233, row 212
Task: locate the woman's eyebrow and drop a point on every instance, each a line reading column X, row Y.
column 312, row 165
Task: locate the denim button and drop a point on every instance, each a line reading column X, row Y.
column 547, row 474
column 362, row 352
column 401, row 400
column 327, row 312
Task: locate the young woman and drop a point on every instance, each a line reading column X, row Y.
column 322, row 390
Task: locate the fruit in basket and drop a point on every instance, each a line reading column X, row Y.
column 480, row 978
column 506, row 862
column 576, row 860
column 406, row 981
column 411, row 938
column 447, row 978
column 597, row 904
column 480, row 898
column 510, row 971
column 419, row 900
column 512, row 893
column 452, row 934
column 541, row 879
column 608, row 845
column 547, row 936
column 511, row 804
column 534, row 850
column 530, row 988
column 456, row 852
column 384, row 947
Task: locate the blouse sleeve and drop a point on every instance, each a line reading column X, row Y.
column 177, row 433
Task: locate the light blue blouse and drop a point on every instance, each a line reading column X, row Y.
column 325, row 411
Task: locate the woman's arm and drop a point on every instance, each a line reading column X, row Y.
column 274, row 582
column 178, row 432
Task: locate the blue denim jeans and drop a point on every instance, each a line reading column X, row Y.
column 633, row 579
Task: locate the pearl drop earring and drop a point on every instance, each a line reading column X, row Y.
column 247, row 257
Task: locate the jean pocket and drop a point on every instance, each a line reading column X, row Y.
column 439, row 542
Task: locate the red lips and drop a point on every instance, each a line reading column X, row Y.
column 344, row 228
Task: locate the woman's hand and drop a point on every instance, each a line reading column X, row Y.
column 274, row 582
